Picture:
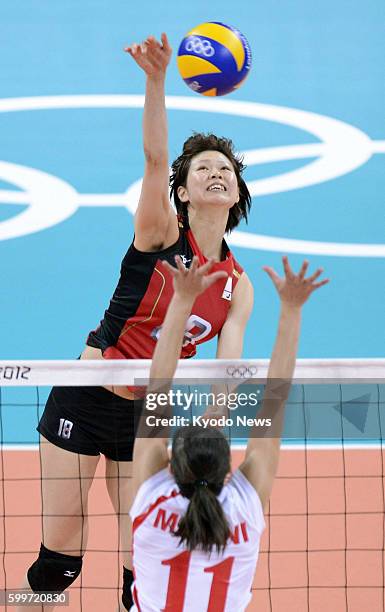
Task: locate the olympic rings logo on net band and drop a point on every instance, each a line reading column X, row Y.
column 241, row 371
column 200, row 46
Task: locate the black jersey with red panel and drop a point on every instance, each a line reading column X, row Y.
column 132, row 322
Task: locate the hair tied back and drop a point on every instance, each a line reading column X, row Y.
column 201, row 483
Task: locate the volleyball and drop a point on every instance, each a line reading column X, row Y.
column 214, row 59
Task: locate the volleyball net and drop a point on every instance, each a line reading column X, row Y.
column 323, row 547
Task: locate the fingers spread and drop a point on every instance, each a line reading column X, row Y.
column 168, row 267
column 214, row 277
column 217, row 275
column 179, row 264
column 320, row 284
column 286, row 266
column 204, row 268
column 316, row 274
column 194, row 263
column 304, row 267
column 272, row 273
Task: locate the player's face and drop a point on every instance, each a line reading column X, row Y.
column 211, row 179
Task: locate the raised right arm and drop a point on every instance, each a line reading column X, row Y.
column 150, row 449
column 262, row 452
column 156, row 225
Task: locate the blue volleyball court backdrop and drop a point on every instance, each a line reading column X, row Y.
column 309, row 119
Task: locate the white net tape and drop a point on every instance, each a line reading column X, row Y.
column 126, row 372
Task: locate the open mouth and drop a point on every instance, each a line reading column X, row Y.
column 216, row 187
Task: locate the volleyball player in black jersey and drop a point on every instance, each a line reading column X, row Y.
column 212, row 199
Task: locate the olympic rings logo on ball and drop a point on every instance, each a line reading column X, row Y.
column 241, row 371
column 200, row 46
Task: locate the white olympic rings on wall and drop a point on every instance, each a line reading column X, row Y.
column 342, row 148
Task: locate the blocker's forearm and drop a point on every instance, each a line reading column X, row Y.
column 280, row 373
column 169, row 345
column 282, row 362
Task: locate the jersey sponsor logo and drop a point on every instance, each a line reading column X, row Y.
column 65, row 429
column 69, row 573
column 184, row 259
column 228, row 290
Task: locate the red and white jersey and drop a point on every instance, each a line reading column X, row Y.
column 168, row 577
column 132, row 323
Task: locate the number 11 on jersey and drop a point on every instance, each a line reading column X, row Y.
column 177, row 582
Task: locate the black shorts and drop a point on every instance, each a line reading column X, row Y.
column 90, row 421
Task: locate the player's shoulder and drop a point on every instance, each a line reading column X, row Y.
column 241, row 495
column 237, row 269
column 241, row 486
column 158, row 487
column 244, row 280
column 244, row 291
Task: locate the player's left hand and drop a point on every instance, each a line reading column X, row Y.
column 190, row 282
column 295, row 289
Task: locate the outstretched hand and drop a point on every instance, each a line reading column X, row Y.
column 190, row 282
column 151, row 55
column 295, row 289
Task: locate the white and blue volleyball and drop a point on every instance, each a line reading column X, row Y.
column 214, row 59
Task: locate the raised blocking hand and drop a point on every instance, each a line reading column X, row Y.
column 295, row 289
column 190, row 282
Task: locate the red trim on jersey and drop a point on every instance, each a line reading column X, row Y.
column 195, row 247
column 135, row 598
column 142, row 517
column 135, row 524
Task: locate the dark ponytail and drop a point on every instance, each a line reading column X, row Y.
column 200, row 461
